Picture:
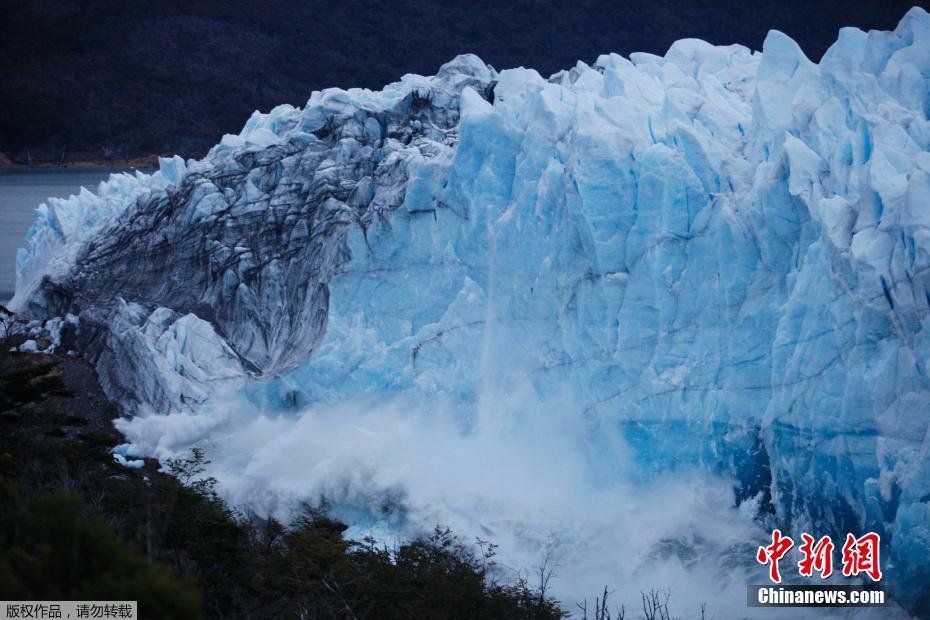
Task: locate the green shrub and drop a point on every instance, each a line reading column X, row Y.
column 50, row 551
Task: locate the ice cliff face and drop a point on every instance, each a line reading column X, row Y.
column 235, row 252
column 717, row 258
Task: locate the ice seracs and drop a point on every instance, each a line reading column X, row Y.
column 717, row 257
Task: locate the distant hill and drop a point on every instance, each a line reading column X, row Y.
column 92, row 79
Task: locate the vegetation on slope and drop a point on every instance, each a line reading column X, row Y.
column 76, row 526
column 91, row 79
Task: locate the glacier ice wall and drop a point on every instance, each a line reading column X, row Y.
column 717, row 258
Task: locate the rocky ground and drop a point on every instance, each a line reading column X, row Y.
column 56, row 397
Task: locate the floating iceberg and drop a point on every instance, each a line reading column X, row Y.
column 481, row 295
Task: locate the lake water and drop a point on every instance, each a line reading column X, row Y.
column 20, row 194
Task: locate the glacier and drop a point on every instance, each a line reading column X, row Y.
column 673, row 300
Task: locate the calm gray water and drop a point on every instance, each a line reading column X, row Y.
column 20, row 194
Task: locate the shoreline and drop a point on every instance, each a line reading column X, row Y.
column 144, row 163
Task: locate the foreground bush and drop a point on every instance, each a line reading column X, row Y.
column 76, row 526
column 50, row 551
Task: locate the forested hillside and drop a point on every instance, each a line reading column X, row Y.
column 96, row 79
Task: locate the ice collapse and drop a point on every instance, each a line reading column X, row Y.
column 716, row 260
